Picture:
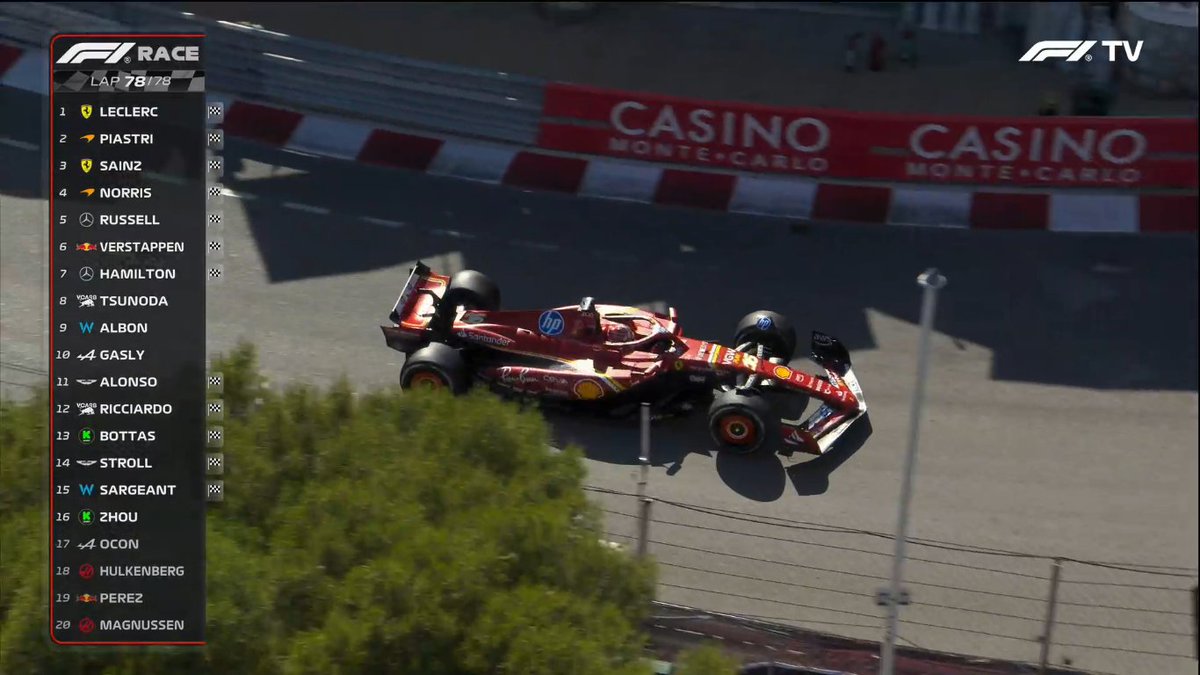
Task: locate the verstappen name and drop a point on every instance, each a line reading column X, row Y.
column 141, row 247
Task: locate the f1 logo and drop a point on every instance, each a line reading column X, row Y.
column 108, row 52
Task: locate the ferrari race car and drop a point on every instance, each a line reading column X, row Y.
column 614, row 358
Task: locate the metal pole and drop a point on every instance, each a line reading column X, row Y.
column 932, row 282
column 643, row 500
column 1051, row 606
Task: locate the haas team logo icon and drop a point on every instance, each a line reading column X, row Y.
column 86, row 111
column 86, row 165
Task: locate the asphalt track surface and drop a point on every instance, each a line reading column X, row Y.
column 1061, row 416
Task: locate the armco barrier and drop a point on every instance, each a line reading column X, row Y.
column 484, row 126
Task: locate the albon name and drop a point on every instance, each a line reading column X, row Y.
column 138, row 274
column 141, row 247
column 135, row 408
column 137, row 490
column 133, row 301
column 120, row 165
column 142, row 436
column 125, row 328
column 128, row 111
column 126, row 139
column 141, row 570
column 130, row 219
column 141, row 624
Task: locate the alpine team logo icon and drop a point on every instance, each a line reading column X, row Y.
column 551, row 323
column 108, row 52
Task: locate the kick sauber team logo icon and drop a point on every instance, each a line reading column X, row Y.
column 86, row 165
column 86, row 111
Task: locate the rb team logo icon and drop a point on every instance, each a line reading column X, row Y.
column 551, row 323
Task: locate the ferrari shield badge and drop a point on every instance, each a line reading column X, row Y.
column 86, row 111
column 86, row 165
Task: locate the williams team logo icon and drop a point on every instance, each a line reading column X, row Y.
column 86, row 111
column 86, row 165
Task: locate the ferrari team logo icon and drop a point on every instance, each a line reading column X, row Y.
column 86, row 111
column 86, row 165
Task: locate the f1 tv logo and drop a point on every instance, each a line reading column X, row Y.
column 108, row 52
column 1074, row 50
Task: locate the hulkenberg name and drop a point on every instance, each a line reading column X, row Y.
column 140, row 570
column 137, row 490
column 141, row 246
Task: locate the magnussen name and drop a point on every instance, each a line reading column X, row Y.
column 141, row 624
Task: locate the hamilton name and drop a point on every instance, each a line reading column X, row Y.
column 141, row 624
column 126, row 139
column 128, row 111
column 141, row 570
column 141, row 247
column 130, row 219
column 138, row 274
column 137, row 490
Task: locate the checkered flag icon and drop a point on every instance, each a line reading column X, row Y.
column 214, row 110
column 214, row 273
column 214, row 246
column 214, row 462
column 214, row 191
column 214, row 165
column 214, row 218
column 214, row 381
column 215, row 489
column 214, row 408
column 214, row 434
column 214, row 137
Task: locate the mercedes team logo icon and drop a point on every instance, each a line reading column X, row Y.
column 86, row 273
column 86, row 219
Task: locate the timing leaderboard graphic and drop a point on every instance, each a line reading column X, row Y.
column 129, row 169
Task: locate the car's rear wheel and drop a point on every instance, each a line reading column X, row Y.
column 473, row 290
column 741, row 421
column 433, row 367
column 771, row 330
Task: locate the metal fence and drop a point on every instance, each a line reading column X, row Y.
column 255, row 64
column 1098, row 616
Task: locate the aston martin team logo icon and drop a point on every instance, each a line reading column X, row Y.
column 86, row 165
column 86, row 111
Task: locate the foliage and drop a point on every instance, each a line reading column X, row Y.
column 362, row 534
column 705, row 660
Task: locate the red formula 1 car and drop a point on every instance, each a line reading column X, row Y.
column 613, row 358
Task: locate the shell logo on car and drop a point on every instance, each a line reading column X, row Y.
column 783, row 373
column 588, row 390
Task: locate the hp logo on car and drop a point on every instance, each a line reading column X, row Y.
column 764, row 323
column 551, row 323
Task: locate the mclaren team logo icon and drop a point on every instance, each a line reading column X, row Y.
column 86, row 111
column 86, row 165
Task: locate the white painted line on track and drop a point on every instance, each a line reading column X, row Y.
column 382, row 221
column 307, row 208
column 300, row 152
column 451, row 233
column 539, row 245
column 237, row 195
column 20, row 145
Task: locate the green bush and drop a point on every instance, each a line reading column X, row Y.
column 362, row 534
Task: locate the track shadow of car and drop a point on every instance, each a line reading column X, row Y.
column 758, row 476
column 812, row 477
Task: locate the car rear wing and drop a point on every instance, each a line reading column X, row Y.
column 817, row 433
column 419, row 272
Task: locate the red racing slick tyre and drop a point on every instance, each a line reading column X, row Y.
column 435, row 366
column 741, row 421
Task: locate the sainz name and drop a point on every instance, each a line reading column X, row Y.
column 137, row 490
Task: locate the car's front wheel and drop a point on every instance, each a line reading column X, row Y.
column 741, row 421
